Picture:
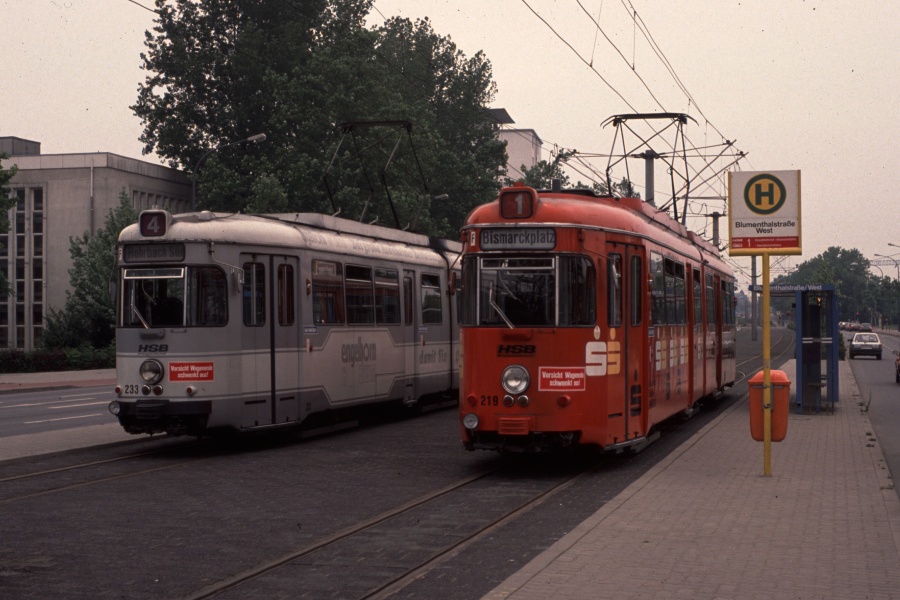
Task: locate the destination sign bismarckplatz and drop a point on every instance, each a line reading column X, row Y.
column 518, row 238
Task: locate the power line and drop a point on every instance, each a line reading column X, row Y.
column 153, row 10
column 581, row 58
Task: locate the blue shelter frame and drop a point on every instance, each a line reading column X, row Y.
column 817, row 343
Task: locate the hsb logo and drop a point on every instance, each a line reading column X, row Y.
column 515, row 350
column 147, row 348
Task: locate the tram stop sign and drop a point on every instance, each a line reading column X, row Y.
column 764, row 212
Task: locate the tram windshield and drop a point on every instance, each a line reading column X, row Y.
column 529, row 292
column 173, row 297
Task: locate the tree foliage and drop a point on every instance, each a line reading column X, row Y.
column 862, row 296
column 88, row 317
column 6, row 202
column 222, row 70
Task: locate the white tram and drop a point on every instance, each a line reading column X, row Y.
column 247, row 322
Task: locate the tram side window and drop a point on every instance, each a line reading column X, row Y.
column 431, row 300
column 727, row 303
column 710, row 300
column 614, row 289
column 360, row 296
column 207, row 297
column 327, row 293
column 577, row 291
column 669, row 291
column 285, row 294
column 657, row 273
column 698, row 298
column 680, row 298
column 254, row 293
column 387, row 296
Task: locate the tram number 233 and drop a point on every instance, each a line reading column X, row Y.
column 602, row 358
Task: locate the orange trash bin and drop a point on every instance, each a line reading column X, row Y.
column 781, row 399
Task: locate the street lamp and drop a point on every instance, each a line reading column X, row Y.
column 896, row 264
column 876, row 312
column 253, row 139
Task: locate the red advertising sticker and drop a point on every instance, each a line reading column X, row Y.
column 191, row 371
column 561, row 379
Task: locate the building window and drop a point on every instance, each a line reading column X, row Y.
column 22, row 263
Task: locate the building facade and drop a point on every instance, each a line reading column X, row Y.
column 523, row 146
column 523, row 149
column 59, row 197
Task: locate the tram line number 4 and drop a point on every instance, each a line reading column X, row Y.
column 153, row 224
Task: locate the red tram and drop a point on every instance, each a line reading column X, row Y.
column 586, row 320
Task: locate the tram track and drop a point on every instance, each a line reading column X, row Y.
column 46, row 481
column 781, row 345
column 401, row 520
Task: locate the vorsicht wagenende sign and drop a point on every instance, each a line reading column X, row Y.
column 764, row 212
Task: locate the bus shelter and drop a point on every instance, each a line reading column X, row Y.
column 817, row 343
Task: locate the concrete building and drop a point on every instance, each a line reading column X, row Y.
column 61, row 196
column 523, row 146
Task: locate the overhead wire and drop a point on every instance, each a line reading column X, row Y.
column 641, row 25
column 578, row 54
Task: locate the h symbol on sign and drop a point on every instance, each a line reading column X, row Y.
column 769, row 193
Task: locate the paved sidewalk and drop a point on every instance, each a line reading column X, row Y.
column 706, row 522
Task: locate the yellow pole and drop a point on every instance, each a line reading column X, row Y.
column 767, row 381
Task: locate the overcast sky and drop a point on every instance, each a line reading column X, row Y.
column 795, row 84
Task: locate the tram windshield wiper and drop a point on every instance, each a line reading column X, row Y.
column 498, row 309
column 139, row 316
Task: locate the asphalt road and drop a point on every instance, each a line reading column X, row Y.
column 169, row 524
column 881, row 395
column 54, row 410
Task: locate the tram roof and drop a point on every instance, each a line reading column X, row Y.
column 584, row 208
column 280, row 229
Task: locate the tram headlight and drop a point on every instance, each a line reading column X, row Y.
column 151, row 371
column 515, row 379
column 114, row 407
column 470, row 421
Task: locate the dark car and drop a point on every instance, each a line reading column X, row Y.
column 865, row 344
column 865, row 327
column 897, row 366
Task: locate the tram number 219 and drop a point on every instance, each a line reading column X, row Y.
column 490, row 400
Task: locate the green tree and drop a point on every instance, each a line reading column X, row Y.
column 846, row 269
column 7, row 201
column 220, row 71
column 541, row 175
column 88, row 317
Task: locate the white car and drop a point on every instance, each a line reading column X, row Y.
column 865, row 344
